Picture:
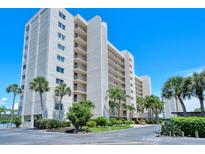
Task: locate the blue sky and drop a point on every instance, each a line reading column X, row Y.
column 164, row 42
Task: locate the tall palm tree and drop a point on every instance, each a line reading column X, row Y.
column 149, row 105
column 131, row 109
column 198, row 80
column 60, row 91
column 40, row 85
column 121, row 98
column 177, row 87
column 113, row 95
column 158, row 106
column 16, row 90
column 113, row 106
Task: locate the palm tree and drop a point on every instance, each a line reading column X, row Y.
column 198, row 81
column 16, row 90
column 149, row 105
column 158, row 106
column 113, row 95
column 3, row 110
column 140, row 104
column 179, row 88
column 40, row 85
column 131, row 109
column 60, row 91
column 113, row 106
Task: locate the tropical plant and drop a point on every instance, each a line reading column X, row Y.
column 40, row 85
column 116, row 96
column 3, row 110
column 80, row 113
column 177, row 87
column 170, row 128
column 60, row 91
column 16, row 90
column 101, row 121
column 198, row 82
column 131, row 109
column 158, row 106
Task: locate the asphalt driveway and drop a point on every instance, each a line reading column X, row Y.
column 142, row 136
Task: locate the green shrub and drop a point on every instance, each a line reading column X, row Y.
column 17, row 121
column 86, row 129
column 66, row 124
column 112, row 121
column 119, row 122
column 169, row 127
column 101, row 121
column 128, row 122
column 189, row 125
column 50, row 124
column 91, row 123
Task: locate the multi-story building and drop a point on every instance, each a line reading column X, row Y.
column 68, row 49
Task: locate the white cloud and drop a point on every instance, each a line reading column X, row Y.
column 189, row 72
column 3, row 101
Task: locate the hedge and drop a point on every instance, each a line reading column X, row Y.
column 50, row 124
column 190, row 125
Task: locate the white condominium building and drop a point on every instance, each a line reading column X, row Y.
column 68, row 49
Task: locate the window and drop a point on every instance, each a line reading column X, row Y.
column 61, row 36
column 61, row 47
column 59, row 81
column 27, row 118
column 24, row 67
column 27, row 37
column 26, row 47
column 61, row 15
column 62, row 26
column 27, row 28
column 60, row 69
column 60, row 58
column 23, row 77
column 22, row 87
column 57, row 106
column 75, row 98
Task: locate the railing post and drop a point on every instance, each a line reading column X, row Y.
column 196, row 134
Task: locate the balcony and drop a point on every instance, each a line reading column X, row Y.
column 79, row 39
column 79, row 90
column 115, row 64
column 80, row 59
column 79, row 30
column 80, row 79
column 80, row 69
column 80, row 50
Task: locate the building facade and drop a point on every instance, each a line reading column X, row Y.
column 68, row 49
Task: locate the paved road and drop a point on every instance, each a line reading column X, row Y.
column 143, row 135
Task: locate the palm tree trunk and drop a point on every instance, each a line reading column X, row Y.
column 59, row 108
column 119, row 109
column 182, row 104
column 12, row 111
column 42, row 106
column 201, row 100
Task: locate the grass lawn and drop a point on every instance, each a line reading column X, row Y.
column 104, row 129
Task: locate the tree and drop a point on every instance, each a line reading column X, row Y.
column 157, row 107
column 3, row 110
column 198, row 82
column 116, row 95
column 60, row 91
column 80, row 113
column 16, row 90
column 40, row 85
column 177, row 87
column 131, row 109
